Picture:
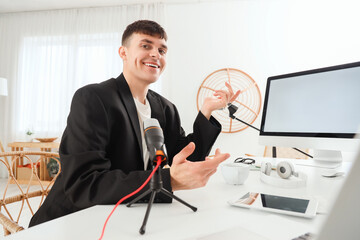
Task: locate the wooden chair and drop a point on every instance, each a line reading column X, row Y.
column 10, row 222
column 2, row 149
column 285, row 152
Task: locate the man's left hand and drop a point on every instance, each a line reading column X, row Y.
column 220, row 100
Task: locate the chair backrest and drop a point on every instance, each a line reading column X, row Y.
column 285, row 152
column 23, row 184
column 2, row 149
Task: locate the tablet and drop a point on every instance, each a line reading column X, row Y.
column 301, row 207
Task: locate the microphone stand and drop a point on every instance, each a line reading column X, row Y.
column 232, row 109
column 156, row 186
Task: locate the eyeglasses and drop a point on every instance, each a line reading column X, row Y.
column 244, row 160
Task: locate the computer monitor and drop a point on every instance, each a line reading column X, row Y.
column 317, row 109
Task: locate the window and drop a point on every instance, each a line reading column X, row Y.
column 52, row 68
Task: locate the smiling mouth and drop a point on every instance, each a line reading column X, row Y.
column 152, row 65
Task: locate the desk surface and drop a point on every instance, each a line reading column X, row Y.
column 214, row 215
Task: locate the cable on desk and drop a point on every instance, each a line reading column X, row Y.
column 129, row 195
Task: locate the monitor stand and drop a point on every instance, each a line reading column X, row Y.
column 323, row 159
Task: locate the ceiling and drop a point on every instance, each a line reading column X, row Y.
column 8, row 6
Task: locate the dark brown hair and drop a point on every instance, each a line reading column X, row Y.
column 145, row 27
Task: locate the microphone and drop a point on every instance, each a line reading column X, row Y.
column 232, row 109
column 154, row 139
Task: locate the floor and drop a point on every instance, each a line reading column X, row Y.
column 14, row 208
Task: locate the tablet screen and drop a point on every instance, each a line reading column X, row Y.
column 284, row 203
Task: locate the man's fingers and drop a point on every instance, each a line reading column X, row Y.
column 221, row 157
column 229, row 87
column 217, row 151
column 184, row 153
column 223, row 94
column 233, row 98
column 232, row 95
column 211, row 163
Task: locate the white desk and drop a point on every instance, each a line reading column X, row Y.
column 176, row 221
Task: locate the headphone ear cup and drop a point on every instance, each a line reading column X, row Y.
column 285, row 169
column 266, row 168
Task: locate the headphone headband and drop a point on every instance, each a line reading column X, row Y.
column 283, row 178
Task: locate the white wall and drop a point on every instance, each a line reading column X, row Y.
column 262, row 38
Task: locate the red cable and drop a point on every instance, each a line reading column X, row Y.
column 131, row 194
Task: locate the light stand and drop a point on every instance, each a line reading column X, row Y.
column 156, row 186
column 232, row 109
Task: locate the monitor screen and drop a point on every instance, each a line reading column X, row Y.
column 321, row 103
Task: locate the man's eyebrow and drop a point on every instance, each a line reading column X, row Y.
column 151, row 42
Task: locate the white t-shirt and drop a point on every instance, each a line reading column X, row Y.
column 144, row 112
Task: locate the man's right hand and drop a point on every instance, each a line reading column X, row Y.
column 189, row 175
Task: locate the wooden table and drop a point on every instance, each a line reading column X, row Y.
column 43, row 146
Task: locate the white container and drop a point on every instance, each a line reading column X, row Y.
column 235, row 173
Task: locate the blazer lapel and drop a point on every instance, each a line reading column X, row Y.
column 157, row 110
column 128, row 100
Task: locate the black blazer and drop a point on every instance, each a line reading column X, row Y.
column 101, row 150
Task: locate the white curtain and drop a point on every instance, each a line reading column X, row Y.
column 46, row 56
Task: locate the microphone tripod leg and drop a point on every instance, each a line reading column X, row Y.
column 169, row 194
column 139, row 197
column 155, row 187
column 143, row 227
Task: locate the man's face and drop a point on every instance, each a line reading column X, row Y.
column 144, row 57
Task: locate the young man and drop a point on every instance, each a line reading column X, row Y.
column 103, row 151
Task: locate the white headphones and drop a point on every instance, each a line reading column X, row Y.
column 285, row 170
